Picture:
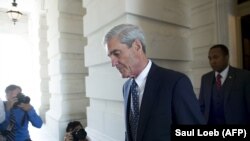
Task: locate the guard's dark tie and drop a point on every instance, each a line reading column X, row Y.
column 11, row 127
column 134, row 110
column 218, row 81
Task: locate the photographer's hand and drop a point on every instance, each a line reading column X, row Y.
column 68, row 136
column 25, row 107
column 10, row 103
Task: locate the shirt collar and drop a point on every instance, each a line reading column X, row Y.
column 223, row 73
column 143, row 75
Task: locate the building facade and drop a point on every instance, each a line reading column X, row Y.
column 77, row 80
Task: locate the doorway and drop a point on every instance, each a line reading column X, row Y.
column 245, row 31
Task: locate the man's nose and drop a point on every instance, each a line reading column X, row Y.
column 114, row 61
column 14, row 95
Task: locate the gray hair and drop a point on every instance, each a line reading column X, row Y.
column 127, row 34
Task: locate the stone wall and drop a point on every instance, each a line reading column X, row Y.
column 167, row 28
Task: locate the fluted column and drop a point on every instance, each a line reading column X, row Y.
column 66, row 65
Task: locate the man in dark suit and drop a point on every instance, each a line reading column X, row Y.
column 225, row 91
column 154, row 98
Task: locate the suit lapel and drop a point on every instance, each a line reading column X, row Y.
column 228, row 84
column 126, row 95
column 148, row 100
column 127, row 106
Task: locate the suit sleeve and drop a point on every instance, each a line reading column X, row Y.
column 247, row 97
column 185, row 104
column 124, row 88
column 202, row 98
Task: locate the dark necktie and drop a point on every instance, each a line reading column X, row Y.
column 11, row 128
column 218, row 81
column 134, row 110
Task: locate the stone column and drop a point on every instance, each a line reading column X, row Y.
column 66, row 65
column 226, row 27
column 212, row 23
column 44, row 61
column 203, row 35
column 167, row 28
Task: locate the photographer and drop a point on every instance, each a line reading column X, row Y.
column 75, row 132
column 18, row 114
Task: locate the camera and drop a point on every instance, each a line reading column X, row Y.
column 79, row 135
column 21, row 98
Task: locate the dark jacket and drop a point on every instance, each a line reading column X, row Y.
column 168, row 99
column 236, row 95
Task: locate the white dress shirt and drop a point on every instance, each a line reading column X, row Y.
column 141, row 80
column 223, row 74
column 2, row 111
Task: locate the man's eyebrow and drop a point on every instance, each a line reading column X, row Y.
column 112, row 52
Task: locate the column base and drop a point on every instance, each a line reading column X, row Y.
column 42, row 113
column 56, row 127
column 95, row 135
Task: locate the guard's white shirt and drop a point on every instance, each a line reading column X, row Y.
column 223, row 74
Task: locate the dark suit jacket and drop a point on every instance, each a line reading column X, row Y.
column 168, row 99
column 236, row 95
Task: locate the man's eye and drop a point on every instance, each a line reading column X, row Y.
column 116, row 53
column 215, row 57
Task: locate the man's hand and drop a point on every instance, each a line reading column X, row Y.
column 25, row 107
column 68, row 137
column 10, row 103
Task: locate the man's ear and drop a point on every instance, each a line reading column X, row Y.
column 137, row 44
